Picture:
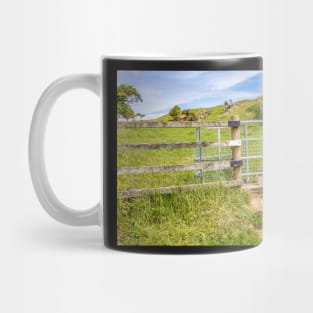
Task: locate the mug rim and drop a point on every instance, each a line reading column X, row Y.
column 184, row 57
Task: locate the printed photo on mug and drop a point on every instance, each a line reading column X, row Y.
column 189, row 157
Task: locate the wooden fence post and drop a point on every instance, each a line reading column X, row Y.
column 236, row 153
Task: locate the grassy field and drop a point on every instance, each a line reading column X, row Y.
column 207, row 216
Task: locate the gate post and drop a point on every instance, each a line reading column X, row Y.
column 236, row 151
column 199, row 151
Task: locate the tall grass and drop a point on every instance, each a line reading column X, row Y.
column 214, row 216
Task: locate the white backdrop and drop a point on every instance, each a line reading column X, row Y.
column 49, row 267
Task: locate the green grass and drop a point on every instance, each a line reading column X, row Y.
column 214, row 216
column 211, row 216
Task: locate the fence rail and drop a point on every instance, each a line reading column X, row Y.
column 158, row 146
column 184, row 124
column 184, row 167
column 132, row 193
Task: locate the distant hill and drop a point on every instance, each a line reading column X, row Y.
column 246, row 109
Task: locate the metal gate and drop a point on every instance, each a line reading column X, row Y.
column 251, row 133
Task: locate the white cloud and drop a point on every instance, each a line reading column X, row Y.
column 223, row 81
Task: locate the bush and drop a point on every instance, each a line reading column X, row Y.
column 174, row 112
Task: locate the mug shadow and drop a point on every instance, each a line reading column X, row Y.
column 68, row 238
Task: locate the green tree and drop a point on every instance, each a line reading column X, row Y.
column 128, row 113
column 174, row 112
column 189, row 115
column 126, row 97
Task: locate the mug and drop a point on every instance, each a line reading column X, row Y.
column 181, row 153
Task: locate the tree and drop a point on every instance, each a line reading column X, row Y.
column 174, row 112
column 128, row 113
column 189, row 115
column 126, row 97
column 140, row 116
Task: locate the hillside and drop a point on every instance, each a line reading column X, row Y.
column 246, row 109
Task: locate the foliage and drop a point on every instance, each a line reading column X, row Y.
column 174, row 112
column 207, row 216
column 189, row 115
column 126, row 97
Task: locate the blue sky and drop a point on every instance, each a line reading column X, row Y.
column 161, row 90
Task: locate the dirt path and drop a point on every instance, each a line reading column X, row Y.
column 256, row 200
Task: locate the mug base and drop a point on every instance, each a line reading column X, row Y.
column 181, row 249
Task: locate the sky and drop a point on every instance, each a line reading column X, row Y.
column 161, row 90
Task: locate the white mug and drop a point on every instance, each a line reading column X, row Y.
column 181, row 156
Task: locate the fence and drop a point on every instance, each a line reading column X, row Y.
column 251, row 149
column 228, row 155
